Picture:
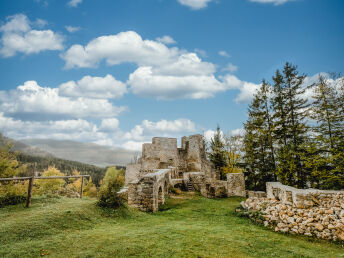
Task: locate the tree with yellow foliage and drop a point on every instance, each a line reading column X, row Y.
column 50, row 186
column 112, row 183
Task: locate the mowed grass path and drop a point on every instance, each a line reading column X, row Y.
column 190, row 226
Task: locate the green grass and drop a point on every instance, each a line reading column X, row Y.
column 191, row 226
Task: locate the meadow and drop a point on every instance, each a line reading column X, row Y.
column 186, row 226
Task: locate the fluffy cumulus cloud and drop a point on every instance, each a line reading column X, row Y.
column 195, row 4
column 124, row 47
column 163, row 72
column 275, row 2
column 72, row 129
column 146, row 82
column 109, row 124
column 94, row 87
column 163, row 128
column 18, row 37
column 33, row 102
column 246, row 89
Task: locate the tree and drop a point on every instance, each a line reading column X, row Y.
column 259, row 154
column 11, row 192
column 290, row 129
column 217, row 154
column 50, row 186
column 327, row 155
column 112, row 183
column 233, row 148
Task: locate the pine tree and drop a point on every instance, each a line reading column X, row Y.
column 258, row 141
column 217, row 154
column 290, row 112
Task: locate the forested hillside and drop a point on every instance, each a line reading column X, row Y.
column 65, row 166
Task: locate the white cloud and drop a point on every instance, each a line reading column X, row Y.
column 230, row 68
column 247, row 89
column 16, row 23
column 186, row 64
column 17, row 36
column 132, row 145
column 145, row 82
column 166, row 40
column 195, row 4
column 74, row 3
column 162, row 128
column 124, row 47
column 223, row 53
column 109, row 124
column 72, row 29
column 77, row 129
column 162, row 73
column 33, row 102
column 94, row 87
column 275, row 2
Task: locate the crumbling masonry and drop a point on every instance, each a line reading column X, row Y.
column 163, row 164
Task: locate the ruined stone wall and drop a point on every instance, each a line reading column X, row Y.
column 195, row 152
column 236, row 184
column 132, row 173
column 308, row 212
column 150, row 191
column 161, row 153
column 300, row 198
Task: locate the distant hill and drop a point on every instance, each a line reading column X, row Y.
column 24, row 148
column 88, row 153
column 39, row 164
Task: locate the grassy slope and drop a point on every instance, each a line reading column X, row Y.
column 195, row 227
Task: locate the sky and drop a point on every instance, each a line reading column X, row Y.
column 118, row 73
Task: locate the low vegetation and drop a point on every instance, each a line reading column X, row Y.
column 187, row 226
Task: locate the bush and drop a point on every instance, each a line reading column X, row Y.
column 50, row 186
column 90, row 189
column 11, row 199
column 112, row 183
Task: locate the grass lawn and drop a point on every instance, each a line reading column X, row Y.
column 190, row 226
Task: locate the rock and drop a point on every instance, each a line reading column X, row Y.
column 329, row 211
column 340, row 235
column 319, row 227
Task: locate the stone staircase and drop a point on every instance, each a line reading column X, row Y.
column 190, row 187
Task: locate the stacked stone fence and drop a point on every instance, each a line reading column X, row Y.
column 309, row 212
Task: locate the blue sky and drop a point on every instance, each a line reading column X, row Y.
column 119, row 72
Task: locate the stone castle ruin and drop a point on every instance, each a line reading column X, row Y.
column 163, row 164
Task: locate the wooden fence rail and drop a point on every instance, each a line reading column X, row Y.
column 32, row 178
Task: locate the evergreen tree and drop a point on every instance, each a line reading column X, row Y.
column 217, row 154
column 290, row 112
column 258, row 141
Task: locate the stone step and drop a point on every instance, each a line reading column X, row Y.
column 190, row 187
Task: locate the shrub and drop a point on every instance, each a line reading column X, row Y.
column 90, row 189
column 11, row 199
column 50, row 186
column 112, row 183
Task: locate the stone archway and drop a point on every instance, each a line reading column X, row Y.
column 166, row 187
column 161, row 196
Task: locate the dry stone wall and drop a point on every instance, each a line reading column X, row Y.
column 308, row 212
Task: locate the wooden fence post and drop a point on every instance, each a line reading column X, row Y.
column 29, row 192
column 82, row 186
